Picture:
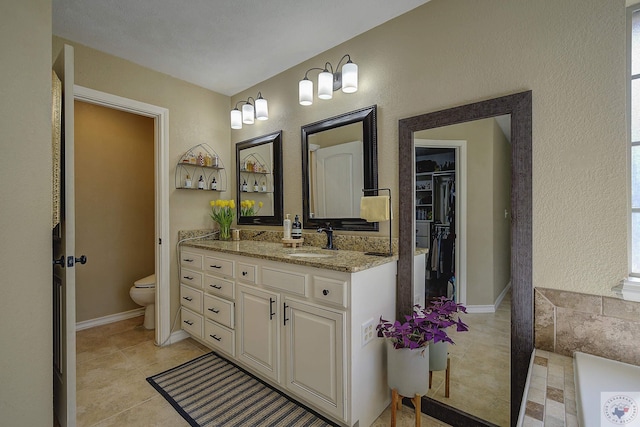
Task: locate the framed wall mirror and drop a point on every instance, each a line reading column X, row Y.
column 417, row 132
column 259, row 180
column 339, row 160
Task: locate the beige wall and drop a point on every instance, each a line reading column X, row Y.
column 25, row 218
column 501, row 225
column 114, row 207
column 571, row 54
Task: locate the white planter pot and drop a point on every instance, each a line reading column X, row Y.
column 408, row 370
column 438, row 353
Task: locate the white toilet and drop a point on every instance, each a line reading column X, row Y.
column 143, row 292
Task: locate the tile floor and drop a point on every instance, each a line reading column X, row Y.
column 480, row 366
column 113, row 362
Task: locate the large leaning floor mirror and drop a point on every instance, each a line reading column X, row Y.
column 465, row 191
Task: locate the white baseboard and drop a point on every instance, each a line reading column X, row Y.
column 86, row 324
column 490, row 308
column 175, row 337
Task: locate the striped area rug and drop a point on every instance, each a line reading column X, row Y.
column 211, row 391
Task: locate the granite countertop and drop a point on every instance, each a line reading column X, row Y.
column 339, row 260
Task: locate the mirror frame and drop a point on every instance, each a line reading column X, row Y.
column 370, row 152
column 522, row 331
column 277, row 217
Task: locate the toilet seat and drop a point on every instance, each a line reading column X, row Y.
column 146, row 282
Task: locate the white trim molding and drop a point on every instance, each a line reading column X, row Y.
column 105, row 320
column 628, row 289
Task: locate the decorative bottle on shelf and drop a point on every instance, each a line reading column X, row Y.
column 187, row 182
column 214, row 184
column 208, row 161
column 200, row 159
column 244, row 185
column 255, row 186
column 264, row 187
column 201, row 183
column 296, row 228
column 216, row 161
column 286, row 227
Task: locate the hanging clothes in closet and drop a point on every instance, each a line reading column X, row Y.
column 441, row 255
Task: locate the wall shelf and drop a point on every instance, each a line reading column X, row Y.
column 201, row 161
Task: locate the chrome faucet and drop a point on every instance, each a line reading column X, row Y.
column 329, row 230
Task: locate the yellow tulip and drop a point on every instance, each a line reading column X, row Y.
column 212, row 203
column 260, row 204
column 232, row 204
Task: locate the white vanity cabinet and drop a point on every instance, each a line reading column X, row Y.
column 308, row 331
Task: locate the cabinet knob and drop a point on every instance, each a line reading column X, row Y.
column 244, row 273
column 325, row 292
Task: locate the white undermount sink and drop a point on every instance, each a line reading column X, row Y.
column 310, row 255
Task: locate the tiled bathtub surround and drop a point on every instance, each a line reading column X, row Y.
column 345, row 242
column 603, row 326
column 551, row 396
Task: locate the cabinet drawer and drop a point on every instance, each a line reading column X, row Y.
column 220, row 266
column 191, row 260
column 220, row 287
column 330, row 290
column 191, row 322
column 288, row 281
column 191, row 278
column 219, row 310
column 246, row 272
column 191, row 298
column 220, row 337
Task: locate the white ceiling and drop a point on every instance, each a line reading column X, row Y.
column 223, row 45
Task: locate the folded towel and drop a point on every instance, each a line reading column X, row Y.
column 374, row 208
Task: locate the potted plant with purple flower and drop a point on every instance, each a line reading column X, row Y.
column 407, row 342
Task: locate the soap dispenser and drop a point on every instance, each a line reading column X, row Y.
column 255, row 186
column 244, row 185
column 286, row 225
column 201, row 183
column 214, row 184
column 296, row 228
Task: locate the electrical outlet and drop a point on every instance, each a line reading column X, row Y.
column 368, row 332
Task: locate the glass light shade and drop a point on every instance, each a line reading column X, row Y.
column 325, row 85
column 349, row 77
column 262, row 109
column 247, row 114
column 305, row 92
column 236, row 119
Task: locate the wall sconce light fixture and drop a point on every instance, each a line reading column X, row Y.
column 329, row 80
column 249, row 113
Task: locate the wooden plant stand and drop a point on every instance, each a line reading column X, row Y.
column 396, row 405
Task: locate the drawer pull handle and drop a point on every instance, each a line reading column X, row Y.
column 187, row 277
column 244, row 273
column 271, row 313
column 215, row 337
column 188, row 322
column 213, row 310
column 325, row 292
column 188, row 298
column 216, row 286
column 285, row 314
column 187, row 260
column 215, row 266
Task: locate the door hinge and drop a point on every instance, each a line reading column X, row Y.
column 159, row 240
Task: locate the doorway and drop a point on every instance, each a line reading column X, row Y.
column 160, row 161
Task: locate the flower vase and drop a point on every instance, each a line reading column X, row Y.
column 225, row 232
column 408, row 370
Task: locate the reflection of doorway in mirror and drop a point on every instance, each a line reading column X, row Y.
column 337, row 179
column 440, row 206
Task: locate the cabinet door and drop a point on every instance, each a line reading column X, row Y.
column 315, row 355
column 258, row 330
